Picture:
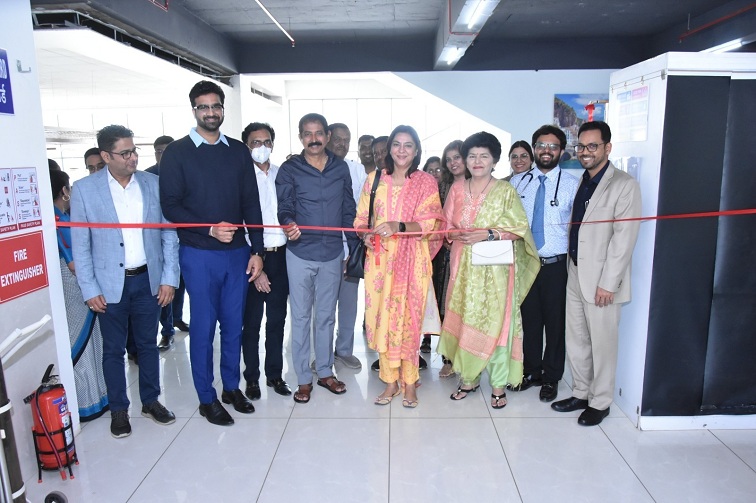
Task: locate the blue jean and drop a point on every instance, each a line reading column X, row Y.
column 139, row 308
column 217, row 284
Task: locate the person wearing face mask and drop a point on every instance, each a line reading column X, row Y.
column 270, row 291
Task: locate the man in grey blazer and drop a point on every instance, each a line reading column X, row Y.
column 598, row 273
column 126, row 274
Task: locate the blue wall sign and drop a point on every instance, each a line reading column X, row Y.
column 6, row 96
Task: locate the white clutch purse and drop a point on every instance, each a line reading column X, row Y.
column 492, row 252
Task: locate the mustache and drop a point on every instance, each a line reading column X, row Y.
column 315, row 144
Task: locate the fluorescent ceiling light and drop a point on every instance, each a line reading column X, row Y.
column 266, row 11
column 726, row 47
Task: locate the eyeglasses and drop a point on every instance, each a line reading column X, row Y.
column 547, row 146
column 159, row 150
column 126, row 154
column 592, row 147
column 257, row 143
column 524, row 157
column 435, row 170
column 204, row 108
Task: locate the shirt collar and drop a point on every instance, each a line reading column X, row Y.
column 199, row 140
column 551, row 175
column 596, row 179
column 112, row 180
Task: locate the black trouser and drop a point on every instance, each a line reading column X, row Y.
column 544, row 306
column 274, row 304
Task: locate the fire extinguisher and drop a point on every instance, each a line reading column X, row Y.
column 52, row 429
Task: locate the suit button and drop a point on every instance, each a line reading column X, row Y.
column 120, row 265
column 121, row 244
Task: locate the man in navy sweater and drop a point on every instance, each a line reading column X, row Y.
column 208, row 178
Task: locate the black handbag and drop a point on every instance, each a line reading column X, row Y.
column 355, row 266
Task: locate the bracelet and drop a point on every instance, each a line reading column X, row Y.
column 499, row 233
column 211, row 232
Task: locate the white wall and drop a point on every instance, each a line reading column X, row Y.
column 22, row 144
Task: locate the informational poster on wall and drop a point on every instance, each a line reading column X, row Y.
column 570, row 112
column 22, row 265
column 19, row 199
column 632, row 105
column 6, row 93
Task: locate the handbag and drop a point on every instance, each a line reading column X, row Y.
column 355, row 266
column 492, row 252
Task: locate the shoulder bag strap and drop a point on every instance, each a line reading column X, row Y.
column 372, row 197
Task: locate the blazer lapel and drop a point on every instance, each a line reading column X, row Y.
column 599, row 192
column 108, row 206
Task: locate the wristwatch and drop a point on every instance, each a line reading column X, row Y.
column 490, row 235
column 402, row 227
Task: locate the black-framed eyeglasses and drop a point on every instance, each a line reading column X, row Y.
column 204, row 108
column 592, row 147
column 126, row 154
column 258, row 143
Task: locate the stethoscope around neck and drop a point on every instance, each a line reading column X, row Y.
column 529, row 173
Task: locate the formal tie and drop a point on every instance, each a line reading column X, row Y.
column 540, row 201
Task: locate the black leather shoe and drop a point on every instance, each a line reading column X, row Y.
column 166, row 342
column 548, row 391
column 134, row 358
column 240, row 402
column 253, row 390
column 215, row 413
column 181, row 325
column 422, row 364
column 376, row 365
column 279, row 386
column 592, row 417
column 569, row 404
column 528, row 381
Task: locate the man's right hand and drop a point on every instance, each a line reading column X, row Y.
column 292, row 232
column 97, row 304
column 262, row 283
column 223, row 232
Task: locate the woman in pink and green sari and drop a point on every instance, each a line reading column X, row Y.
column 482, row 327
column 398, row 273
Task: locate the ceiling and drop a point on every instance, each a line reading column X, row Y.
column 235, row 36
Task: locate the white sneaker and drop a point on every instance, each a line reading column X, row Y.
column 349, row 361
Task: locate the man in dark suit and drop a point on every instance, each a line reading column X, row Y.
column 126, row 274
column 598, row 273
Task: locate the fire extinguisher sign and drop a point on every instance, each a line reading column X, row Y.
column 22, row 266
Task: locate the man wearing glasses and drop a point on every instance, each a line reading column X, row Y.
column 208, row 178
column 268, row 293
column 598, row 272
column 126, row 275
column 547, row 193
column 93, row 160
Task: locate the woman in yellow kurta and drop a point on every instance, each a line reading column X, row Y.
column 398, row 271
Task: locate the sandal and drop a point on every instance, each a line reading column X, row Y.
column 302, row 395
column 385, row 400
column 425, row 347
column 448, row 369
column 455, row 396
column 409, row 404
column 333, row 385
column 495, row 399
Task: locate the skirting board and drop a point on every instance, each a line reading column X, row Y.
column 651, row 423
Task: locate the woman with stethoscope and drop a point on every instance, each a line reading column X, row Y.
column 520, row 158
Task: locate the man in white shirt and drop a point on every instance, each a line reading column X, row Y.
column 270, row 291
column 126, row 275
column 349, row 288
column 547, row 194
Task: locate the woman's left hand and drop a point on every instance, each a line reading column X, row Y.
column 471, row 237
column 386, row 229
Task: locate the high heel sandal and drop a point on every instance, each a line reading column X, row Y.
column 497, row 398
column 460, row 389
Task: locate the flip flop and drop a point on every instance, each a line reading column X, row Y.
column 385, row 400
column 496, row 398
column 465, row 391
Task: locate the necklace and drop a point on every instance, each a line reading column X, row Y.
column 469, row 187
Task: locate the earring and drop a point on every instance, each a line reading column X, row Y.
column 66, row 197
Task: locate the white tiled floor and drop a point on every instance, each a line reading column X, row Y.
column 346, row 449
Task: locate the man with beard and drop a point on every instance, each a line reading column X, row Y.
column 598, row 273
column 349, row 287
column 380, row 151
column 547, row 193
column 270, row 291
column 365, row 149
column 314, row 189
column 208, row 178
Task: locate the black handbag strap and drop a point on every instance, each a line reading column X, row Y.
column 372, row 197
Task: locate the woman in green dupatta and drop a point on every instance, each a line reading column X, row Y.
column 482, row 327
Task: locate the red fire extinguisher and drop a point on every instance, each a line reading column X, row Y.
column 52, row 429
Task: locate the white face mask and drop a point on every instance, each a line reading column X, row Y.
column 261, row 154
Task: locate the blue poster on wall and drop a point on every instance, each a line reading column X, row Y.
column 6, row 96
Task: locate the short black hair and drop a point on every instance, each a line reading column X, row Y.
column 431, row 159
column 606, row 132
column 162, row 140
column 482, row 140
column 313, row 117
column 108, row 136
column 378, row 140
column 52, row 165
column 338, row 125
column 256, row 126
column 366, row 137
column 58, row 180
column 524, row 145
column 415, row 161
column 204, row 87
column 91, row 151
column 549, row 129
